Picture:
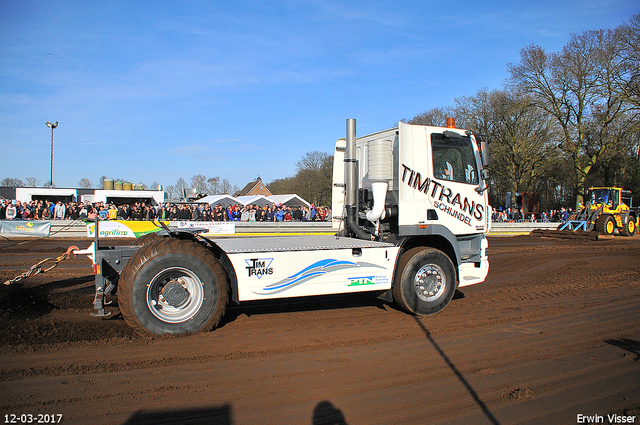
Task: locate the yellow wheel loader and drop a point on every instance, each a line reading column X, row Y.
column 608, row 210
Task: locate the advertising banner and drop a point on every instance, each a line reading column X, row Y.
column 122, row 229
column 213, row 227
column 25, row 227
column 135, row 229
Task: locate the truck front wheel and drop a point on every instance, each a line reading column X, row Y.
column 425, row 281
column 172, row 286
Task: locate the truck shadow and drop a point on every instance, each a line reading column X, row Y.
column 302, row 304
column 457, row 373
column 311, row 303
column 627, row 344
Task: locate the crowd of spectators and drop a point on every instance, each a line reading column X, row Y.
column 45, row 210
column 515, row 215
column 251, row 212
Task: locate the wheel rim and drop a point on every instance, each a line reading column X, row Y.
column 175, row 295
column 609, row 227
column 632, row 226
column 430, row 282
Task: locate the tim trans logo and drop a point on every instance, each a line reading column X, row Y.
column 361, row 281
column 259, row 267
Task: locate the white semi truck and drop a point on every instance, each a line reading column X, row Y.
column 410, row 213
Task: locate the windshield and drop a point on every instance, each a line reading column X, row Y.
column 609, row 197
column 601, row 196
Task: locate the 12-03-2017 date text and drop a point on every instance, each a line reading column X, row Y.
column 28, row 418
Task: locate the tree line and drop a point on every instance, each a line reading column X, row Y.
column 563, row 121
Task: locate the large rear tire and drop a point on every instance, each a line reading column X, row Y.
column 147, row 239
column 425, row 281
column 173, row 286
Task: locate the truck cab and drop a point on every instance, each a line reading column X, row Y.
column 430, row 184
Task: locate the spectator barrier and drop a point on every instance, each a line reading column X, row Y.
column 78, row 228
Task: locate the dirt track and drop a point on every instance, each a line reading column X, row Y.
column 552, row 334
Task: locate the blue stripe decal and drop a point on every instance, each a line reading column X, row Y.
column 318, row 268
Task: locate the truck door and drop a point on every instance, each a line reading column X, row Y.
column 439, row 178
column 454, row 162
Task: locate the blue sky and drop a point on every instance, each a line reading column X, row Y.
column 151, row 91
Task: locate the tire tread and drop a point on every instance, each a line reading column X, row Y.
column 159, row 247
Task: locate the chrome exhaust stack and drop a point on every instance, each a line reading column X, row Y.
column 351, row 183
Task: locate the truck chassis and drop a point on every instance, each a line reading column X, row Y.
column 414, row 214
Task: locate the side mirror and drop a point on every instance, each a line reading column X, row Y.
column 484, row 150
column 484, row 173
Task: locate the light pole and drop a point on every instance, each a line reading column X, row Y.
column 52, row 126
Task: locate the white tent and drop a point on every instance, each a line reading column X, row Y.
column 288, row 200
column 222, row 200
column 259, row 200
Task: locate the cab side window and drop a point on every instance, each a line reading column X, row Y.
column 615, row 196
column 453, row 159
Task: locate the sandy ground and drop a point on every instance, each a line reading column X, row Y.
column 553, row 334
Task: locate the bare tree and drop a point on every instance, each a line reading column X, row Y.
column 101, row 182
column 181, row 187
column 312, row 181
column 312, row 161
column 199, row 183
column 170, row 192
column 11, row 182
column 214, row 185
column 225, row 187
column 521, row 135
column 283, row 186
column 629, row 78
column 435, row 117
column 476, row 112
column 32, row 182
column 577, row 88
column 85, row 183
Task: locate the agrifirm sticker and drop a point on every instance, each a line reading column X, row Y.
column 121, row 229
